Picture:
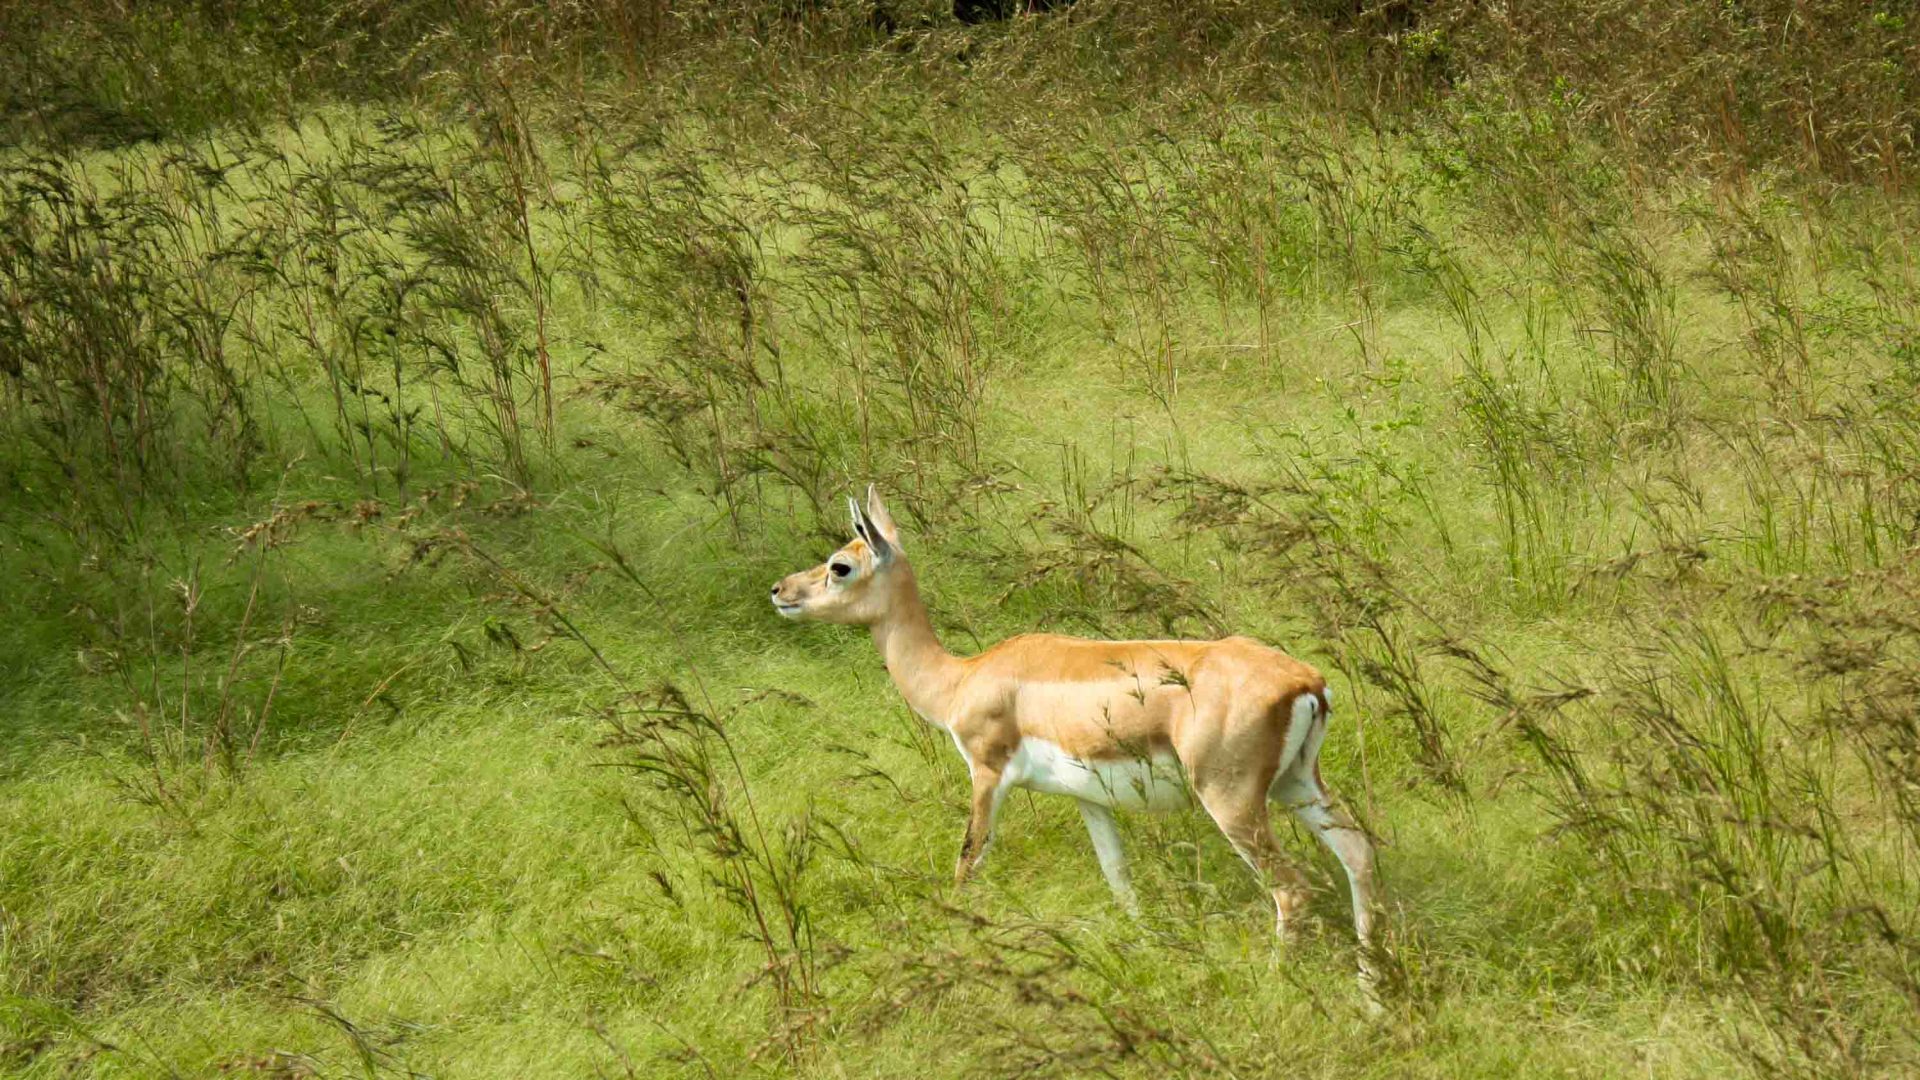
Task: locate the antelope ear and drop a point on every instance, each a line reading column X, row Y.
column 882, row 521
column 866, row 530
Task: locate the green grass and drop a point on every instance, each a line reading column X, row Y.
column 331, row 729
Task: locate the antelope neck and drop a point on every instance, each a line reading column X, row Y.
column 922, row 669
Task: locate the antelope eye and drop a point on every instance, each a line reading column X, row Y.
column 839, row 569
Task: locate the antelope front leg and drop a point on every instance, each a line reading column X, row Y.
column 987, row 792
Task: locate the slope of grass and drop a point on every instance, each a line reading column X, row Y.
column 391, row 502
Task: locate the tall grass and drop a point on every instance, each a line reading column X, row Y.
column 363, row 462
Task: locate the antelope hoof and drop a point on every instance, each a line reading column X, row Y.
column 1370, row 997
column 1290, row 914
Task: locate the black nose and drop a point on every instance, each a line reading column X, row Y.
column 775, row 590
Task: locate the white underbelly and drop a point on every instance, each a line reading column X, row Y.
column 1141, row 783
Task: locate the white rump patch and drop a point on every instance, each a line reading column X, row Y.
column 1306, row 717
column 1156, row 782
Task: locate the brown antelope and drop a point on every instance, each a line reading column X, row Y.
column 1139, row 724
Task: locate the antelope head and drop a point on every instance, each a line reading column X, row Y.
column 857, row 584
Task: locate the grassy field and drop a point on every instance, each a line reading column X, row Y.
column 393, row 481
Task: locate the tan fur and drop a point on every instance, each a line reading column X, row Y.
column 1119, row 699
column 1225, row 709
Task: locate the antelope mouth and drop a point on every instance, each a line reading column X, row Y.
column 791, row 611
